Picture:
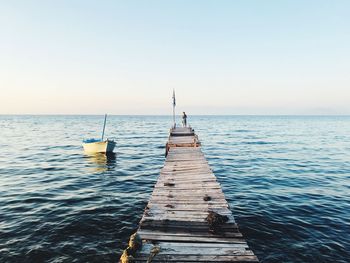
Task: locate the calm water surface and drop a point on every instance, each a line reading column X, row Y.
column 287, row 180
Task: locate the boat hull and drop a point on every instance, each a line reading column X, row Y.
column 99, row 147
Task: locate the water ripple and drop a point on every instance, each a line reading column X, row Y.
column 287, row 180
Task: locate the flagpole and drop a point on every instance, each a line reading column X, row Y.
column 174, row 104
column 174, row 115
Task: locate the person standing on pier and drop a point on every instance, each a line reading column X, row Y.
column 184, row 119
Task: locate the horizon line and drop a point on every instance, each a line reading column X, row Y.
column 165, row 115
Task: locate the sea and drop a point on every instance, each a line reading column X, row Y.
column 286, row 179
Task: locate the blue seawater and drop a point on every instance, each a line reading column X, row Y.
column 286, row 178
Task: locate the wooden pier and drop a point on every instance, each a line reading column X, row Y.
column 187, row 218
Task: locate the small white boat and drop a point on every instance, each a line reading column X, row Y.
column 99, row 145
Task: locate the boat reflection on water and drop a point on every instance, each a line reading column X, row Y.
column 102, row 161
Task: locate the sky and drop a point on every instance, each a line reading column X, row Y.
column 221, row 57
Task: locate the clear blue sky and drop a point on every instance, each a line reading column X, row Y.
column 222, row 57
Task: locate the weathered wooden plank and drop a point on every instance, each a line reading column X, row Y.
column 190, row 198
column 185, row 211
column 195, row 250
column 175, row 203
column 170, row 181
column 178, row 172
column 185, row 175
column 195, row 185
column 188, row 234
column 198, row 258
column 178, row 209
column 191, row 216
column 183, row 188
column 175, row 218
column 186, row 180
column 198, row 193
column 185, row 195
column 204, row 207
column 177, row 245
column 185, row 225
column 200, row 239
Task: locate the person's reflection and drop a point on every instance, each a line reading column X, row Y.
column 103, row 161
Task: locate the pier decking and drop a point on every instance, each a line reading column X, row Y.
column 187, row 218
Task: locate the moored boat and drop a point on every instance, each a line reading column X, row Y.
column 99, row 145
